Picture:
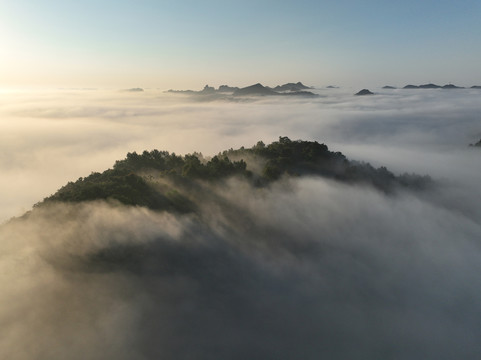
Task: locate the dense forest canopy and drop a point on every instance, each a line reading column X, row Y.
column 135, row 179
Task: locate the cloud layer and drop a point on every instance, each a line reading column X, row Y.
column 307, row 268
column 50, row 138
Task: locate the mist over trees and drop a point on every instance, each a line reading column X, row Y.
column 134, row 180
column 282, row 251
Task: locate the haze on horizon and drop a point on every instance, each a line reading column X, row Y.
column 186, row 44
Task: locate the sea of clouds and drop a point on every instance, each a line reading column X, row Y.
column 49, row 138
column 309, row 268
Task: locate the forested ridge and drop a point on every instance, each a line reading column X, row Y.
column 135, row 179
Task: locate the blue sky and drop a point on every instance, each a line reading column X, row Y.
column 189, row 43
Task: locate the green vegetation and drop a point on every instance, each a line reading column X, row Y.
column 188, row 166
column 292, row 157
column 115, row 184
column 163, row 181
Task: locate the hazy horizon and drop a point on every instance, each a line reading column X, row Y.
column 120, row 44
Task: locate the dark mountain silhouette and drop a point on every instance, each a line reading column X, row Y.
column 134, row 90
column 429, row 86
column 291, row 87
column 432, row 86
column 451, row 86
column 256, row 89
column 260, row 90
column 364, row 92
column 208, row 90
column 227, row 88
column 297, row 89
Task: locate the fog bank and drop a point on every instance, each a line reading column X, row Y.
column 306, row 268
column 49, row 138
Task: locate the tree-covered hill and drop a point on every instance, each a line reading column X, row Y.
column 161, row 180
column 277, row 251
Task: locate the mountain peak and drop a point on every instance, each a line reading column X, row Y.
column 256, row 89
column 291, row 87
column 364, row 92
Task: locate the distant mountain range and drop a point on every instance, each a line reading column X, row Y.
column 256, row 89
column 292, row 87
column 431, row 86
column 288, row 89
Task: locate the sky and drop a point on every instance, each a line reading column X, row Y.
column 187, row 44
